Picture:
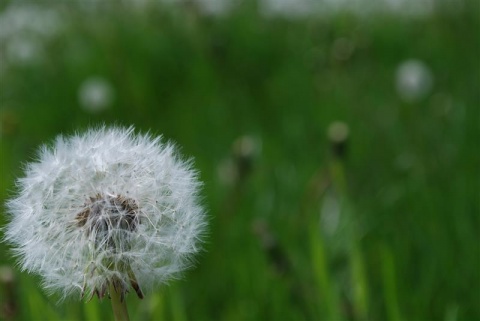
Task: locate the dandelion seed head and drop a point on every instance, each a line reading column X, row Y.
column 106, row 207
column 413, row 80
column 95, row 94
column 25, row 31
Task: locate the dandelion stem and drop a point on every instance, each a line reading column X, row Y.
column 119, row 306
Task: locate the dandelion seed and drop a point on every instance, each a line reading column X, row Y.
column 106, row 212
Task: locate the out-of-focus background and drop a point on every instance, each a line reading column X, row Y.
column 338, row 143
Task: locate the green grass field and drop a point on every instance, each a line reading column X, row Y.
column 388, row 230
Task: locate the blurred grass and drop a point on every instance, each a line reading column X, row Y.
column 407, row 244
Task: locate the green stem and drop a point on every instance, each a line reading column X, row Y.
column 119, row 306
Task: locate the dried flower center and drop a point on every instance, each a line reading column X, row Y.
column 103, row 214
column 110, row 221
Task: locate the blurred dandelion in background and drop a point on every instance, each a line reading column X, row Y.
column 413, row 80
column 95, row 94
column 24, row 30
column 338, row 133
column 238, row 165
column 24, row 51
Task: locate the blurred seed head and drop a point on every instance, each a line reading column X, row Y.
column 137, row 4
column 237, row 167
column 338, row 133
column 95, row 94
column 32, row 19
column 24, row 31
column 244, row 151
column 413, row 80
column 23, row 51
column 287, row 8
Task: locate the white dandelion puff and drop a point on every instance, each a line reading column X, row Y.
column 25, row 32
column 108, row 207
column 95, row 94
column 23, row 51
column 413, row 80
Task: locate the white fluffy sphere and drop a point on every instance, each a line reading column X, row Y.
column 106, row 207
column 96, row 94
column 413, row 80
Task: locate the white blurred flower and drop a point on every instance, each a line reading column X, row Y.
column 287, row 8
column 24, row 51
column 106, row 208
column 338, row 132
column 413, row 80
column 29, row 19
column 24, row 29
column 95, row 94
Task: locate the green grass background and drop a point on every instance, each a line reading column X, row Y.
column 407, row 247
